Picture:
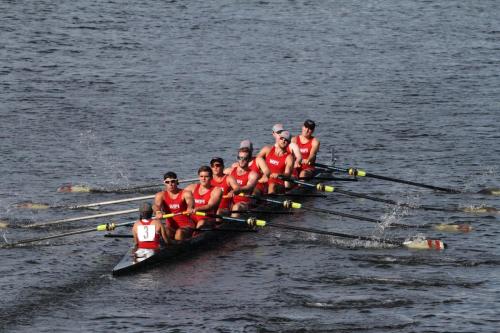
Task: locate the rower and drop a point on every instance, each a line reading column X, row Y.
column 246, row 178
column 147, row 232
column 226, row 183
column 292, row 148
column 257, row 164
column 279, row 161
column 308, row 146
column 206, row 197
column 175, row 200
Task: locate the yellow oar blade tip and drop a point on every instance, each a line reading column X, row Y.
column 296, row 205
column 425, row 244
column 68, row 188
column 201, row 213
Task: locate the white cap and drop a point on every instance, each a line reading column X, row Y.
column 246, row 144
column 286, row 135
column 277, row 128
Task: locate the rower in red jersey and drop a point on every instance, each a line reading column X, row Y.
column 226, row 183
column 246, row 179
column 256, row 164
column 177, row 201
column 206, row 197
column 292, row 148
column 279, row 161
column 309, row 147
column 148, row 232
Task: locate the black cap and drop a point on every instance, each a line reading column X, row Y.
column 145, row 210
column 310, row 124
column 170, row 174
column 216, row 160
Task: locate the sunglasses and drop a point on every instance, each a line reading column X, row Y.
column 279, row 132
column 284, row 139
column 243, row 158
column 173, row 181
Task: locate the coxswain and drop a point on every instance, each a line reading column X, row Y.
column 226, row 183
column 206, row 197
column 177, row 201
column 147, row 232
column 309, row 147
column 257, row 164
column 246, row 178
column 280, row 162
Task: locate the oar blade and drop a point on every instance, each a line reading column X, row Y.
column 453, row 227
column 70, row 188
column 425, row 244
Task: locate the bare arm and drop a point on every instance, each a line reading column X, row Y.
column 158, row 203
column 253, row 177
column 264, row 151
column 288, row 166
column 296, row 152
column 235, row 187
column 188, row 197
column 313, row 153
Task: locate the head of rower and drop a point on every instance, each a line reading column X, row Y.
column 205, row 175
column 217, row 166
column 284, row 139
column 308, row 128
column 170, row 180
column 277, row 130
column 244, row 157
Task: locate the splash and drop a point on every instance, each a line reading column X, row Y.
column 101, row 159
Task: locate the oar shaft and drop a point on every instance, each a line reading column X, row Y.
column 81, row 218
column 331, row 233
column 111, row 202
column 355, row 172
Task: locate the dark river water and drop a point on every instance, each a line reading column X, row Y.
column 115, row 93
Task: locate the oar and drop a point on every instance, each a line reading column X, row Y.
column 327, row 188
column 89, row 217
column 361, row 173
column 425, row 244
column 31, row 205
column 86, row 189
column 101, row 227
column 439, row 227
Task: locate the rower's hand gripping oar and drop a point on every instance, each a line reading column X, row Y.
column 361, row 173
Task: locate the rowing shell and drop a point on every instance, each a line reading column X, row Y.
column 131, row 263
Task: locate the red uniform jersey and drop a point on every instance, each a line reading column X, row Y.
column 242, row 180
column 225, row 203
column 201, row 200
column 276, row 164
column 305, row 151
column 147, row 236
column 176, row 205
